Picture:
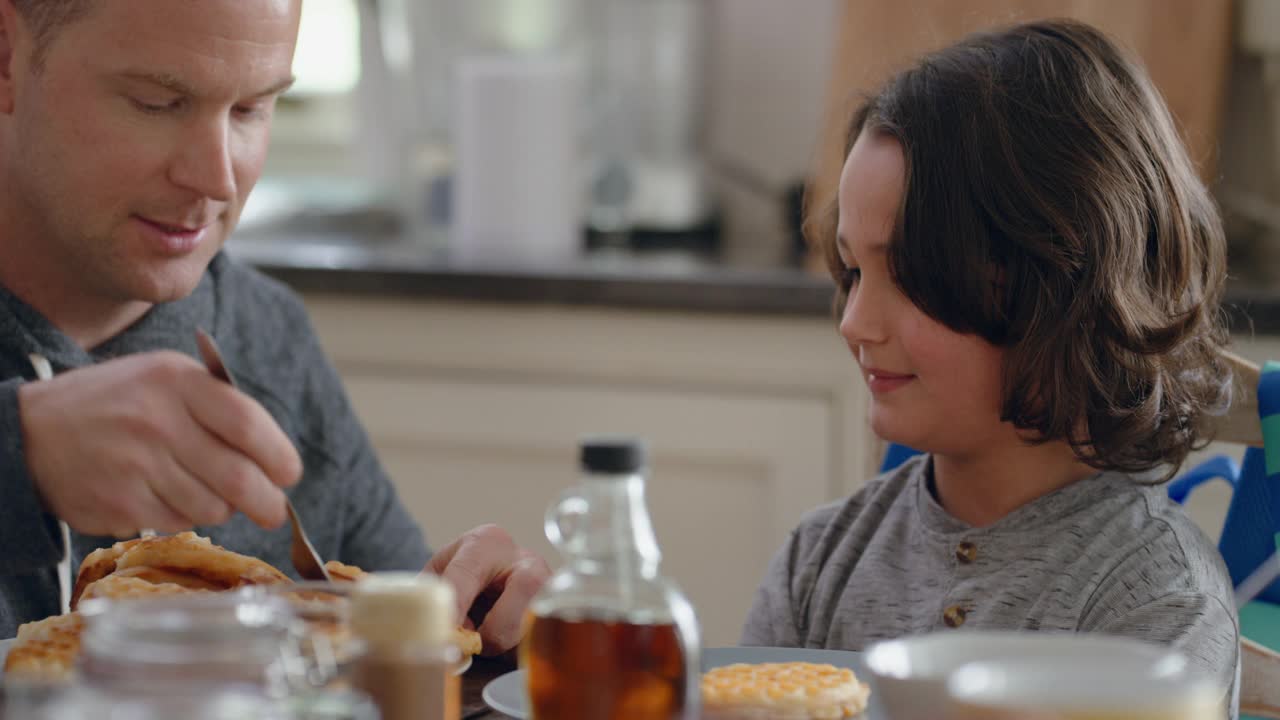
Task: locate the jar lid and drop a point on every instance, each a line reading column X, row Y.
column 392, row 609
column 613, row 455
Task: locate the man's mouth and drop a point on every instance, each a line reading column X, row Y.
column 176, row 228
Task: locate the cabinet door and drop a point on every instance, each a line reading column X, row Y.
column 731, row 472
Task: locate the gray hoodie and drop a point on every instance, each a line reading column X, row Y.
column 349, row 505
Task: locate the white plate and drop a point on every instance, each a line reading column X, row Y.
column 465, row 666
column 506, row 694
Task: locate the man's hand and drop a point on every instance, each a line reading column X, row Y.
column 153, row 441
column 495, row 580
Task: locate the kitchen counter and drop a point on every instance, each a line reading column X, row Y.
column 396, row 268
column 675, row 282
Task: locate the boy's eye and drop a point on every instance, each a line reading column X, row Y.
column 850, row 277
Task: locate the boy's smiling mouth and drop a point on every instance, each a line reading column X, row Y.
column 883, row 381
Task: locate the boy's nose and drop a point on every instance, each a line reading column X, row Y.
column 862, row 322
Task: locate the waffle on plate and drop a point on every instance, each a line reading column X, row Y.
column 782, row 691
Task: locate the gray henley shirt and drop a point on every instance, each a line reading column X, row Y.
column 1105, row 554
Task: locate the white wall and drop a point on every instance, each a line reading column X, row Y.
column 769, row 68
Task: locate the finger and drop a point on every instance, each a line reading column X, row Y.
column 440, row 560
column 150, row 511
column 503, row 627
column 183, row 488
column 243, row 486
column 474, row 564
column 246, row 426
column 231, row 478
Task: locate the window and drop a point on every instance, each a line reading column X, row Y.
column 314, row 127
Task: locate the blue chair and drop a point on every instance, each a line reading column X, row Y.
column 895, row 455
column 1251, row 531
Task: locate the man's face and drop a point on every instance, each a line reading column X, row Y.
column 129, row 155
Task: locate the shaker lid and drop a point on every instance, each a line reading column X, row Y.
column 395, row 608
column 613, row 455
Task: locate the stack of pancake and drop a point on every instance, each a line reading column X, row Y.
column 46, row 650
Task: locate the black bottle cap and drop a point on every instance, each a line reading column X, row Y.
column 613, row 455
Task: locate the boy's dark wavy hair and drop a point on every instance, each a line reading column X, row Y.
column 1052, row 209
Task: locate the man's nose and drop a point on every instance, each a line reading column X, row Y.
column 205, row 164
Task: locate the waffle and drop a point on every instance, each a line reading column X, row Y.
column 46, row 650
column 126, row 584
column 339, row 572
column 782, row 691
column 183, row 559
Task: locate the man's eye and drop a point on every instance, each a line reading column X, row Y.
column 260, row 108
column 157, row 108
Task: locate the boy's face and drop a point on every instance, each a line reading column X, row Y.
column 931, row 388
column 127, row 157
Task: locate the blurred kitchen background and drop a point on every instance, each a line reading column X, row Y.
column 516, row 222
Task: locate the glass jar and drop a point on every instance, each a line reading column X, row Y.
column 185, row 643
column 609, row 636
column 324, row 641
column 205, row 656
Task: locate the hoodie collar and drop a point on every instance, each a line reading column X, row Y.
column 166, row 326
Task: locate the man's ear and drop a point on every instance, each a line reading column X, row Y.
column 8, row 29
column 14, row 41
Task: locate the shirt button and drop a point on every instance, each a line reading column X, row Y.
column 953, row 616
column 966, row 552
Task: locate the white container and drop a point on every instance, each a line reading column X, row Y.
column 911, row 673
column 518, row 192
column 1110, row 687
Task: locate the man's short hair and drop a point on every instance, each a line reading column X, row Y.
column 46, row 18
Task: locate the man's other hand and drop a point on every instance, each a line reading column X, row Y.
column 495, row 580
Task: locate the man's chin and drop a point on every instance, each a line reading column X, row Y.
column 168, row 282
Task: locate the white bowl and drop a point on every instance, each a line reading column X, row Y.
column 1111, row 687
column 911, row 673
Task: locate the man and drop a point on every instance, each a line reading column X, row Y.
column 130, row 135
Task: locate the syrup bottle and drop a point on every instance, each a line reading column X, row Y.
column 609, row 637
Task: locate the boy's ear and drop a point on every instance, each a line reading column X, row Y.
column 8, row 35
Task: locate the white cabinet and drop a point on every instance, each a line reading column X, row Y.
column 476, row 411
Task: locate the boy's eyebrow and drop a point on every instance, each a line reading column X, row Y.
column 843, row 243
column 173, row 84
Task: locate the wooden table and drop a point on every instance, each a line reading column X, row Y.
column 482, row 671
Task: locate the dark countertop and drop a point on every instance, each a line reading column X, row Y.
column 670, row 282
column 674, row 282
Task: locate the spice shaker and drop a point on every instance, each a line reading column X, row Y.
column 406, row 621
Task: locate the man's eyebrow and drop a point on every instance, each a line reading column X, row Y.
column 173, row 84
column 278, row 87
column 164, row 80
